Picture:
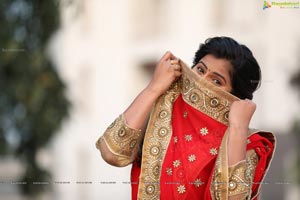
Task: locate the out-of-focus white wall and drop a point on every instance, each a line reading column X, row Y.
column 99, row 51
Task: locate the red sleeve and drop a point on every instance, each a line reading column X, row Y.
column 264, row 145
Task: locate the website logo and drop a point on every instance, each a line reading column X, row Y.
column 266, row 5
column 281, row 4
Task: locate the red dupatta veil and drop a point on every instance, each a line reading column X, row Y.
column 183, row 140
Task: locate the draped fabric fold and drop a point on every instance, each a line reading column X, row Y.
column 184, row 151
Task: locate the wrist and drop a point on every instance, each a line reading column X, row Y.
column 238, row 132
column 153, row 91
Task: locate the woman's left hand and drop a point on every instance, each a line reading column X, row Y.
column 240, row 114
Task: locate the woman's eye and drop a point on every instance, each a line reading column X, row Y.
column 200, row 70
column 216, row 82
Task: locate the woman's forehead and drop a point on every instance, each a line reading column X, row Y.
column 220, row 65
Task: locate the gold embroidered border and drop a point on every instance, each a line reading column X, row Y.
column 121, row 139
column 158, row 135
column 198, row 93
column 241, row 175
column 205, row 97
column 219, row 186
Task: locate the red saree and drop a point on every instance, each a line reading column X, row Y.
column 185, row 137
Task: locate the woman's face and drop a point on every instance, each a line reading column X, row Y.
column 215, row 70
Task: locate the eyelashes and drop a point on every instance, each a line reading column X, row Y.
column 217, row 82
column 199, row 69
column 212, row 79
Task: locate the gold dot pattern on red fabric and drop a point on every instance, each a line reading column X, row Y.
column 203, row 131
column 192, row 158
column 176, row 163
column 185, row 114
column 213, row 151
column 181, row 189
column 175, row 139
column 169, row 171
column 188, row 138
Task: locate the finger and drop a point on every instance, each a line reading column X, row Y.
column 177, row 67
column 174, row 62
column 169, row 56
column 177, row 73
column 172, row 57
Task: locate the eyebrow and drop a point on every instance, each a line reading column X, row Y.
column 216, row 73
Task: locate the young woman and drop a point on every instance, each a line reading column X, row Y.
column 197, row 144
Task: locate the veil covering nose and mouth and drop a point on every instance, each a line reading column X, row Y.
column 184, row 153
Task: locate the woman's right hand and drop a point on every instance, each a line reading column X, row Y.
column 166, row 72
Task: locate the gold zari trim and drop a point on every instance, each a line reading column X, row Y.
column 198, row 93
column 157, row 138
column 219, row 184
column 205, row 97
column 201, row 95
column 121, row 140
column 241, row 176
column 233, row 180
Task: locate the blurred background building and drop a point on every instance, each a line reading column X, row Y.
column 105, row 51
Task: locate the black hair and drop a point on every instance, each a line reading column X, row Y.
column 246, row 74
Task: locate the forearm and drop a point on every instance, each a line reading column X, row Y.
column 239, row 174
column 126, row 128
column 166, row 72
column 237, row 142
column 239, row 182
column 121, row 141
column 137, row 113
column 119, row 145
